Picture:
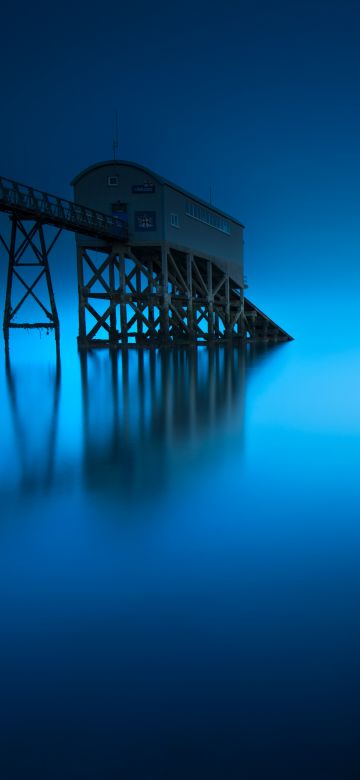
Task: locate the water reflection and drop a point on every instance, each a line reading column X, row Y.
column 150, row 415
column 148, row 418
column 34, row 405
column 212, row 631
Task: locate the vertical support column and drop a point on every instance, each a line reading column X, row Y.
column 151, row 299
column 123, row 312
column 139, row 304
column 190, row 309
column 113, row 335
column 7, row 311
column 227, row 307
column 53, row 309
column 164, row 319
column 81, row 295
column 210, row 301
column 242, row 323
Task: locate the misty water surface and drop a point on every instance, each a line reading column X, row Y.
column 179, row 563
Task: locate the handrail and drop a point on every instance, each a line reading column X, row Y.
column 28, row 201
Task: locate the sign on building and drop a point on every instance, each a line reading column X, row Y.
column 145, row 220
column 146, row 187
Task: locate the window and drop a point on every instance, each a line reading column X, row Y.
column 202, row 215
column 174, row 220
column 113, row 181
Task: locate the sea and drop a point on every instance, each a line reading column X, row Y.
column 179, row 562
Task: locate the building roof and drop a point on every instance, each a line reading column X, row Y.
column 158, row 178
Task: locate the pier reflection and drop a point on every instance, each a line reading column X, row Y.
column 34, row 404
column 148, row 416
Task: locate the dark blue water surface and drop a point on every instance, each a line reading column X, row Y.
column 179, row 563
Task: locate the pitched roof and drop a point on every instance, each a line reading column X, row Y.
column 158, row 178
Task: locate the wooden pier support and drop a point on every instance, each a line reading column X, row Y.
column 161, row 296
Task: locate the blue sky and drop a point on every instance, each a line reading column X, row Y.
column 259, row 100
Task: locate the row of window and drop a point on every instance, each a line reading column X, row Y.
column 203, row 215
column 219, row 223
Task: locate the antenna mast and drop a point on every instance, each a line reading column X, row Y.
column 116, row 135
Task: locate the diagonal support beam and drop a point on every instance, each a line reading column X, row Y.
column 30, row 291
column 97, row 272
column 101, row 320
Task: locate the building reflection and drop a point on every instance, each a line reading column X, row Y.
column 150, row 415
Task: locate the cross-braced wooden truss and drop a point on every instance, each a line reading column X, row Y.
column 156, row 296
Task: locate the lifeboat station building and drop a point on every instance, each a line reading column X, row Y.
column 175, row 275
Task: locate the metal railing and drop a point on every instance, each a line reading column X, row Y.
column 28, row 202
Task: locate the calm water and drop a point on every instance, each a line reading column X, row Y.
column 179, row 564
